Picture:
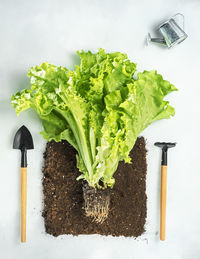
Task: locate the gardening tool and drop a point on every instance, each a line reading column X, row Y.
column 163, row 197
column 23, row 141
column 172, row 33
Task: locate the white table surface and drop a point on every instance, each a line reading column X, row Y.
column 36, row 31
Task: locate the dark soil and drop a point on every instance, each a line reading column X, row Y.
column 63, row 198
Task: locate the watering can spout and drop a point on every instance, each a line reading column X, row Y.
column 155, row 40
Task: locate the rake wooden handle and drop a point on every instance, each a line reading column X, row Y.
column 163, row 200
column 23, row 203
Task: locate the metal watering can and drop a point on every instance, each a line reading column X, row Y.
column 172, row 33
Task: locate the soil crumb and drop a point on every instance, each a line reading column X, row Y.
column 63, row 195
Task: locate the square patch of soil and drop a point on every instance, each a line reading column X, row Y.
column 63, row 197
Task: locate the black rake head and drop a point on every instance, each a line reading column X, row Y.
column 165, row 145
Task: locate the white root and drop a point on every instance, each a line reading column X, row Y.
column 96, row 203
column 98, row 212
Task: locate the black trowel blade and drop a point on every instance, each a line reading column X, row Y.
column 23, row 139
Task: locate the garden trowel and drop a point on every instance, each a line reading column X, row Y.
column 23, row 141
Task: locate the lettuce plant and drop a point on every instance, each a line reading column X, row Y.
column 99, row 108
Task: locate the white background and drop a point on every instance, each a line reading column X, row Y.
column 36, row 31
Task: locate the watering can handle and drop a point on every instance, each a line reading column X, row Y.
column 180, row 14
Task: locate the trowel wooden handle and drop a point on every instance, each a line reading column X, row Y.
column 23, row 203
column 163, row 200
